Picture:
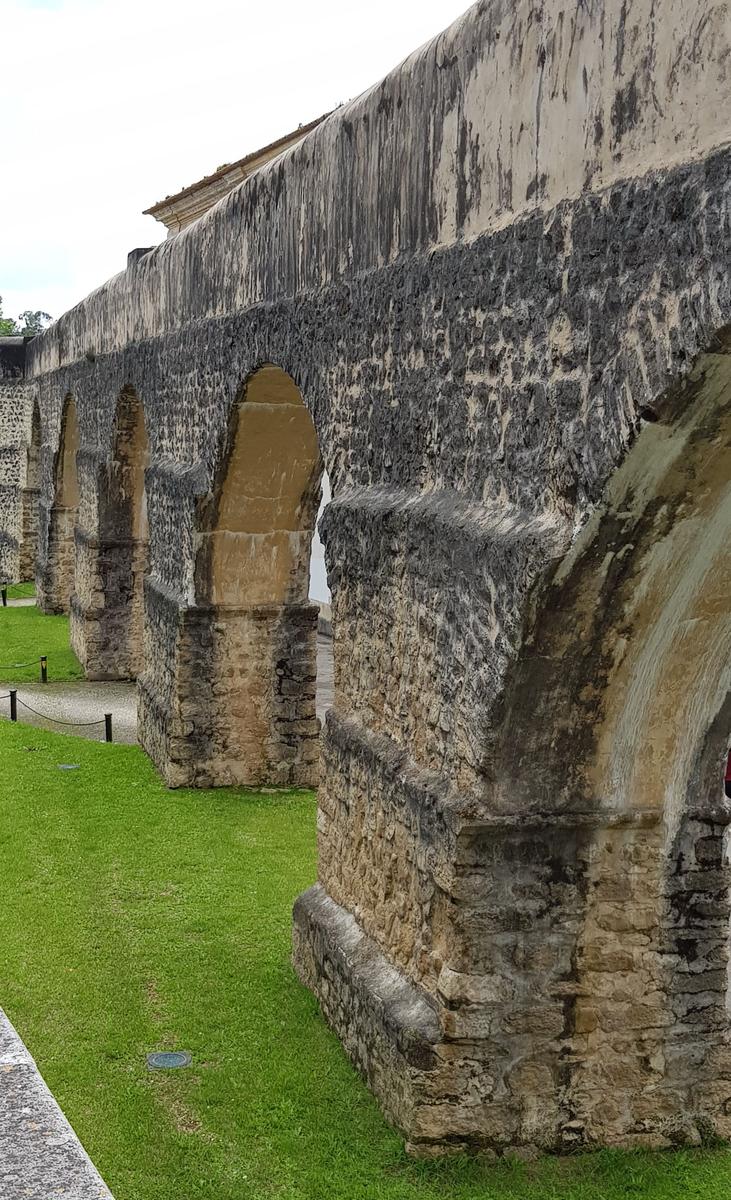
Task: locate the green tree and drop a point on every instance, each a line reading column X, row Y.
column 29, row 323
column 34, row 322
column 7, row 324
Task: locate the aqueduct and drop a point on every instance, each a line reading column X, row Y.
column 491, row 296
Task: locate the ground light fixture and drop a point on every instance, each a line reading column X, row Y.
column 166, row 1060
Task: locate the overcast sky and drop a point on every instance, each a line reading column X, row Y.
column 110, row 105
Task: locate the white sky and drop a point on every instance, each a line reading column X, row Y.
column 110, row 105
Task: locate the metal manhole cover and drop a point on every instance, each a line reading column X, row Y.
column 164, row 1060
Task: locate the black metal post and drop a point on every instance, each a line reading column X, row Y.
column 13, row 704
column 5, row 597
column 44, row 668
column 108, row 726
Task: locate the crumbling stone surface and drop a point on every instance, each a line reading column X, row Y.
column 499, row 282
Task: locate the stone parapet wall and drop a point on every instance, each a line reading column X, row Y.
column 508, row 111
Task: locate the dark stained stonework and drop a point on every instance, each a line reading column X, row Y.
column 506, row 310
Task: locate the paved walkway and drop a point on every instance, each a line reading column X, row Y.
column 83, row 701
column 40, row 1155
column 75, row 702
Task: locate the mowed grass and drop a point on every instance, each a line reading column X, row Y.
column 26, row 634
column 21, row 591
column 135, row 919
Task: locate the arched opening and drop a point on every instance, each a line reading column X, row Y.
column 67, row 479
column 613, row 744
column 107, row 610
column 246, row 661
column 29, row 500
column 321, row 595
column 125, row 513
column 56, row 578
column 268, row 498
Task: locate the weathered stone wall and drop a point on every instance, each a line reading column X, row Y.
column 239, row 699
column 486, row 277
column 17, row 517
column 12, row 413
column 111, row 559
column 30, row 499
column 69, row 475
column 514, row 107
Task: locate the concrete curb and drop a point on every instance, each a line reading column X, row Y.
column 40, row 1155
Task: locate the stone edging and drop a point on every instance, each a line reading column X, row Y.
column 40, row 1155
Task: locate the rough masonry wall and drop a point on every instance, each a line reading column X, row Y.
column 15, row 431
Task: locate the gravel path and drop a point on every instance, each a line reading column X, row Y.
column 90, row 701
column 74, row 702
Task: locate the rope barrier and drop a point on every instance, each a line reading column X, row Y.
column 57, row 720
column 42, row 661
column 15, row 700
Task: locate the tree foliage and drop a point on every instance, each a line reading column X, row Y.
column 28, row 324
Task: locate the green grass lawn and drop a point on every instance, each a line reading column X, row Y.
column 26, row 634
column 21, row 591
column 136, row 918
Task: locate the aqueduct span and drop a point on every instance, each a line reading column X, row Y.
column 492, row 296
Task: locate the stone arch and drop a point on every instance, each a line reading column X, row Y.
column 615, row 730
column 245, row 658
column 30, row 499
column 258, row 532
column 66, row 473
column 575, row 906
column 56, row 579
column 107, row 611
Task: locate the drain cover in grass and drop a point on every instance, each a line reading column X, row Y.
column 164, row 1060
column 68, row 766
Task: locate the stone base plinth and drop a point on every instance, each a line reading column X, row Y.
column 389, row 1028
column 566, row 987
